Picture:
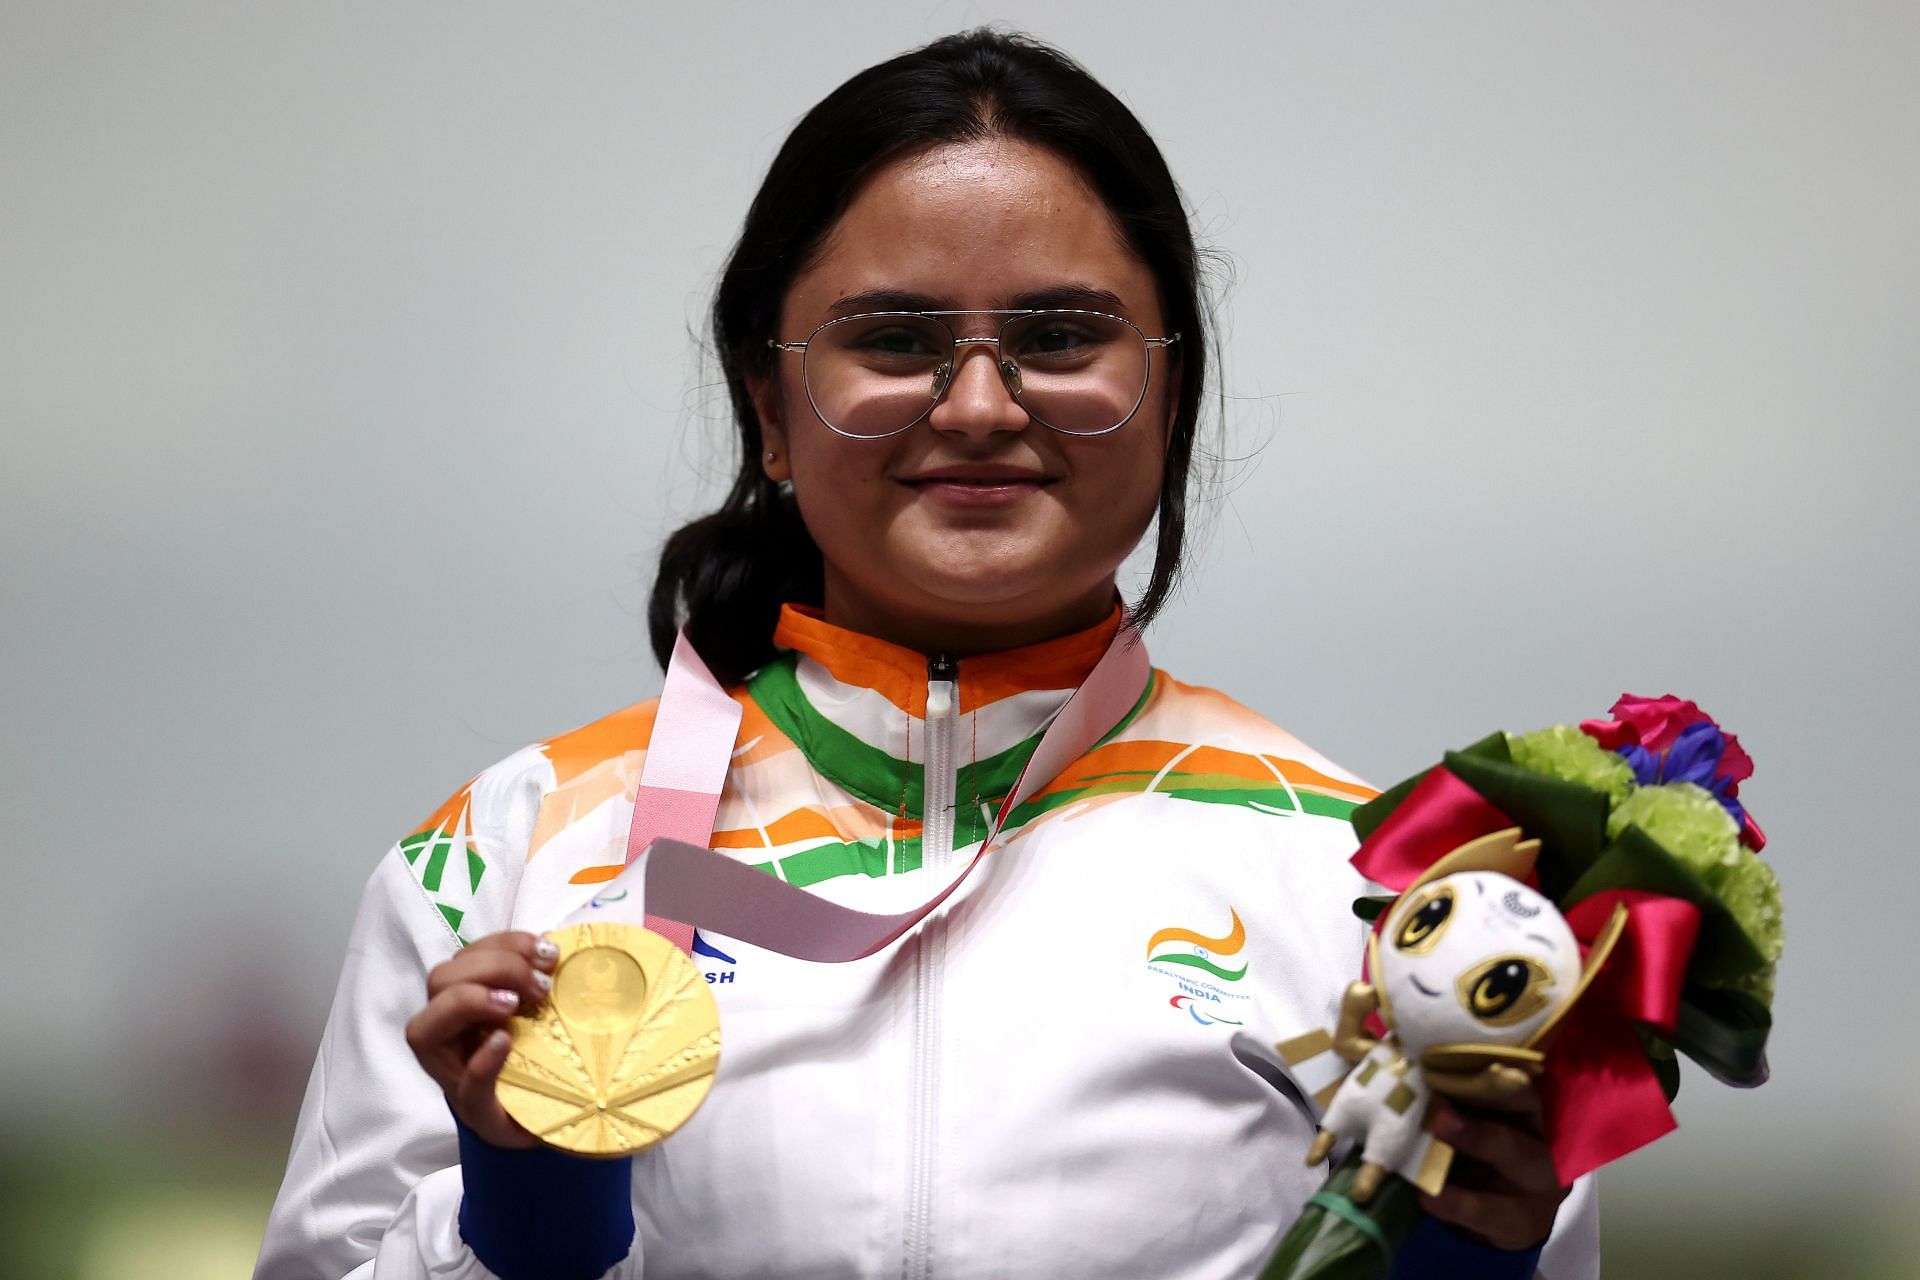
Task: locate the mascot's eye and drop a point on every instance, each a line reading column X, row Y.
column 1505, row 990
column 1422, row 926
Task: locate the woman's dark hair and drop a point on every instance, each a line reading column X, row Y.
column 728, row 573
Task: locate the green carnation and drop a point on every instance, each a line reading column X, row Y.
column 1566, row 753
column 1687, row 822
column 1690, row 824
column 1753, row 896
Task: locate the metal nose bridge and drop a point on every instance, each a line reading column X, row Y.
column 1009, row 371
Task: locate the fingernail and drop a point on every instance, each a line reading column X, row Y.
column 542, row 981
column 498, row 1041
column 505, row 999
column 1446, row 1125
column 547, row 949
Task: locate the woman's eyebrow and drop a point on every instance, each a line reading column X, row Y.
column 854, row 304
column 1069, row 297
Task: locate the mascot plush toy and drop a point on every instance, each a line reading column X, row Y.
column 1472, row 971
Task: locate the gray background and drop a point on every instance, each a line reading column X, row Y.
column 349, row 381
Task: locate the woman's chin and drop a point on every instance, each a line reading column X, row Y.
column 989, row 586
column 1001, row 580
column 1007, row 591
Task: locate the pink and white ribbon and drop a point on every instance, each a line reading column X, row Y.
column 680, row 884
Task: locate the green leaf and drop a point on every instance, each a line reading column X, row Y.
column 1569, row 820
column 1492, row 747
column 1371, row 909
column 1726, row 1032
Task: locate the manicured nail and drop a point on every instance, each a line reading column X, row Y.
column 505, row 999
column 498, row 1041
column 546, row 949
column 542, row 981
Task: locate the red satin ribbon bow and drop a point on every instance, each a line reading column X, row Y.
column 1599, row 1094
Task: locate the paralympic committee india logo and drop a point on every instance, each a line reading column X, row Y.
column 1202, row 968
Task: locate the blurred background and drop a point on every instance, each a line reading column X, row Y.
column 350, row 376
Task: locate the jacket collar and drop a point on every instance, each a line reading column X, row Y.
column 856, row 706
column 900, row 676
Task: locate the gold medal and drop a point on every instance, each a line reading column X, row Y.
column 623, row 1050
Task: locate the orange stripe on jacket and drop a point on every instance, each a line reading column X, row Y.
column 900, row 675
column 896, row 674
column 848, row 823
column 447, row 816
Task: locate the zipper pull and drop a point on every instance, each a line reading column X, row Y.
column 942, row 672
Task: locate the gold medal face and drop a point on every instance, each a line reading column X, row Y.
column 622, row 1052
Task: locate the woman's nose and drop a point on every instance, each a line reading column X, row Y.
column 978, row 398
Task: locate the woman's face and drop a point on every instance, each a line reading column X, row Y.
column 978, row 528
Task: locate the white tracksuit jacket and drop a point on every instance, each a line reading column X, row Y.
column 1064, row 1071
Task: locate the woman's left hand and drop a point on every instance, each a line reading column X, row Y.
column 1502, row 1189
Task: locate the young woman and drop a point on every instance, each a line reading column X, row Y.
column 963, row 333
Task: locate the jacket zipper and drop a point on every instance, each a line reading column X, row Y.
column 937, row 793
column 936, row 851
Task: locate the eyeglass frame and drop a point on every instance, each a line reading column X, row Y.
column 1000, row 363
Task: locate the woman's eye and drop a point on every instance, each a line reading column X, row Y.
column 1421, row 929
column 1505, row 990
column 1055, row 339
column 896, row 342
column 1057, row 342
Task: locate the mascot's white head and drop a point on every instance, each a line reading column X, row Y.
column 1475, row 956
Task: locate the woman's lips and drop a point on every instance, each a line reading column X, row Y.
column 996, row 492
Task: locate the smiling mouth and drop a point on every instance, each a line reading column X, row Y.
column 979, row 482
column 978, row 493
column 1423, row 989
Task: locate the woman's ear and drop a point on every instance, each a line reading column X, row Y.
column 775, row 463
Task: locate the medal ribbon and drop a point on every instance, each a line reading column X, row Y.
column 685, row 885
column 679, row 791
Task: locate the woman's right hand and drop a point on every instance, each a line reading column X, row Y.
column 460, row 1037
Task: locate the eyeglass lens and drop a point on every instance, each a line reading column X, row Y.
column 1078, row 372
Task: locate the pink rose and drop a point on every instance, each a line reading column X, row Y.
column 1654, row 724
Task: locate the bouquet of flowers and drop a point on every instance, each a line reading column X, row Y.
column 1573, row 910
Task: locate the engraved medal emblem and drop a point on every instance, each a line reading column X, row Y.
column 622, row 1052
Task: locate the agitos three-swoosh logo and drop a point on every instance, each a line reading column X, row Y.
column 1194, row 954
